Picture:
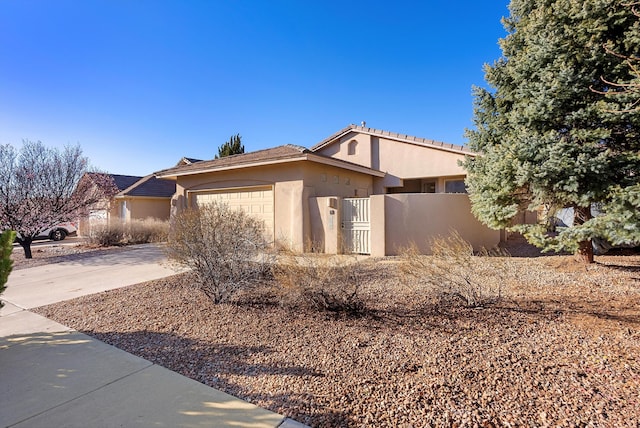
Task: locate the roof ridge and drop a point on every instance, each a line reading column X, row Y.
column 410, row 138
column 298, row 147
column 294, row 146
column 383, row 133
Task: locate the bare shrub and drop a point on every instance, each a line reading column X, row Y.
column 147, row 231
column 106, row 235
column 226, row 249
column 454, row 269
column 133, row 232
column 321, row 282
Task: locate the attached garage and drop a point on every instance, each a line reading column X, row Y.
column 274, row 185
column 256, row 201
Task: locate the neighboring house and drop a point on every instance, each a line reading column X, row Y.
column 138, row 198
column 361, row 190
column 187, row 161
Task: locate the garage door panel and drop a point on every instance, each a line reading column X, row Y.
column 257, row 202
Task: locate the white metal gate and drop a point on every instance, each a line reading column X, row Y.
column 356, row 225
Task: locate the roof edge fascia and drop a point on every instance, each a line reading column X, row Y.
column 160, row 174
column 140, row 197
column 344, row 165
column 301, row 157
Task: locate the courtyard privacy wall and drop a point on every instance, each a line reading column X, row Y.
column 402, row 220
column 417, row 218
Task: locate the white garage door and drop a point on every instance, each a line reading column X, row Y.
column 257, row 201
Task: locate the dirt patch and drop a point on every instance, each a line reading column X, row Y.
column 561, row 348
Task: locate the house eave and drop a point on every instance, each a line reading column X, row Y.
column 302, row 157
column 341, row 164
column 140, row 197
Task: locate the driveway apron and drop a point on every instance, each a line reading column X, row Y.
column 55, row 376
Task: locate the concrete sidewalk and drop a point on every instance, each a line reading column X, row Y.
column 52, row 375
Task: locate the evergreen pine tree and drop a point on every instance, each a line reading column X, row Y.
column 548, row 134
column 232, row 147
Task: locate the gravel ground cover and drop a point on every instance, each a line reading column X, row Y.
column 561, row 348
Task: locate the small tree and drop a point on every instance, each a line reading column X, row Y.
column 225, row 248
column 232, row 147
column 42, row 187
column 6, row 264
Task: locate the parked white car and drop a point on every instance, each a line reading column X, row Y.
column 58, row 232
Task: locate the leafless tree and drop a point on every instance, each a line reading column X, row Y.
column 41, row 187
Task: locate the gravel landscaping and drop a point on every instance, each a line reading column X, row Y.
column 561, row 348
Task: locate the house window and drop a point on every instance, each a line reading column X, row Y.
column 429, row 187
column 455, row 186
column 351, row 148
column 123, row 210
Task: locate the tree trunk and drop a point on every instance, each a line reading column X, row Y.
column 585, row 248
column 25, row 243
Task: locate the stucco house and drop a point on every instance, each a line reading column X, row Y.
column 361, row 190
column 137, row 198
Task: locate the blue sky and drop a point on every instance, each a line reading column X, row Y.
column 141, row 83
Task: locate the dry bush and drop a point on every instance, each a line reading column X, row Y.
column 133, row 232
column 146, row 231
column 106, row 235
column 453, row 269
column 225, row 248
column 318, row 281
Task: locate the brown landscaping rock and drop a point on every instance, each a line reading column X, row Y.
column 561, row 348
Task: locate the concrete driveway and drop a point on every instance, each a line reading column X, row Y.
column 87, row 274
column 55, row 376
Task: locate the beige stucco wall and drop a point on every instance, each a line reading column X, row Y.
column 142, row 208
column 404, row 160
column 293, row 184
column 399, row 160
column 417, row 218
column 324, row 216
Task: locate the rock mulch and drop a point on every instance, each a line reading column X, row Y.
column 561, row 348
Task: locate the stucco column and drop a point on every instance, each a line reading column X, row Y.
column 378, row 225
column 296, row 228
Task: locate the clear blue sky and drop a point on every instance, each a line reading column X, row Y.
column 141, row 83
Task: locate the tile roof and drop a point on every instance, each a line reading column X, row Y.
column 152, row 187
column 124, row 181
column 285, row 152
column 393, row 136
column 187, row 161
column 148, row 186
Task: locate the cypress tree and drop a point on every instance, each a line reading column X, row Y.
column 232, row 147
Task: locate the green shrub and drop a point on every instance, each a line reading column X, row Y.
column 6, row 264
